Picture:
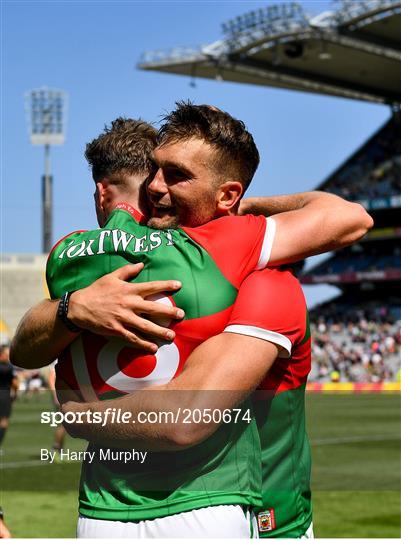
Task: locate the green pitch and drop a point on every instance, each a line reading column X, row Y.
column 356, row 475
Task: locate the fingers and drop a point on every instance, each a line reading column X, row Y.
column 130, row 325
column 157, row 309
column 137, row 341
column 153, row 287
column 152, row 329
column 127, row 272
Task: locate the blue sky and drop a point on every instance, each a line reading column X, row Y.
column 90, row 49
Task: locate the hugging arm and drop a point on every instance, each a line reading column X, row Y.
column 309, row 223
column 215, row 377
column 40, row 337
column 110, row 306
column 268, row 318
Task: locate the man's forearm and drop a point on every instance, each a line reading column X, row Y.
column 214, row 378
column 277, row 204
column 269, row 206
column 106, row 424
column 310, row 223
column 40, row 337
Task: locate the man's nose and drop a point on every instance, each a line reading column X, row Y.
column 158, row 184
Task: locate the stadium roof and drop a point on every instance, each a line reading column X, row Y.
column 354, row 52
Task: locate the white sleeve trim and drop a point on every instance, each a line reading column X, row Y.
column 261, row 333
column 267, row 245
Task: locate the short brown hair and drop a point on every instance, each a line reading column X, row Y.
column 126, row 147
column 236, row 150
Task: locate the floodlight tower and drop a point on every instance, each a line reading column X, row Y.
column 46, row 112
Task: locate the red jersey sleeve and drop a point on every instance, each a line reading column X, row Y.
column 238, row 244
column 271, row 306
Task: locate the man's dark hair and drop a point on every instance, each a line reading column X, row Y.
column 126, row 147
column 236, row 152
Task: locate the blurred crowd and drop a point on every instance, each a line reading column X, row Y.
column 349, row 344
column 376, row 171
column 363, row 348
column 32, row 381
column 368, row 260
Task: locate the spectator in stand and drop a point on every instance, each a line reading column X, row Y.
column 364, row 348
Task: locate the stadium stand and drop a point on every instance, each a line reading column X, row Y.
column 346, row 262
column 372, row 176
column 374, row 171
column 357, row 337
column 22, row 285
column 356, row 344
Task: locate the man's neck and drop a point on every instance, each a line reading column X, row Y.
column 130, row 206
column 124, row 200
column 112, row 195
column 131, row 200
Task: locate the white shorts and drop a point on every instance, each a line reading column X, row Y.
column 35, row 384
column 224, row 521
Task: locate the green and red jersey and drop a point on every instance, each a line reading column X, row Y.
column 271, row 306
column 211, row 261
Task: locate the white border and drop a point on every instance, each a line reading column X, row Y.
column 262, row 333
column 267, row 245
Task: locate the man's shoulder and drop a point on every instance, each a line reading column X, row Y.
column 242, row 233
column 70, row 246
column 237, row 244
column 122, row 217
column 275, row 294
column 282, row 277
column 282, row 281
column 68, row 237
column 271, row 306
column 229, row 223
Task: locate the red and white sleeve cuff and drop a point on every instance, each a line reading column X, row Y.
column 267, row 245
column 261, row 333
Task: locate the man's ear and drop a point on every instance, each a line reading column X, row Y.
column 106, row 195
column 100, row 195
column 100, row 203
column 228, row 197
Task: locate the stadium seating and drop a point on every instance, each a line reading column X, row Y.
column 344, row 263
column 375, row 170
column 355, row 346
column 22, row 285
